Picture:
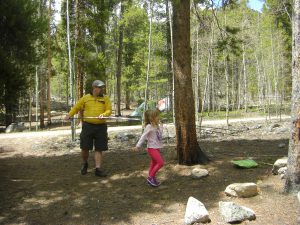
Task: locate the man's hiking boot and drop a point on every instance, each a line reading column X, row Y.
column 153, row 182
column 84, row 168
column 100, row 173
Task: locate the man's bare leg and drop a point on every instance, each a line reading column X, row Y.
column 98, row 159
column 98, row 163
column 85, row 157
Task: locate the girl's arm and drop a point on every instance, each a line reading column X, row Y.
column 144, row 136
column 161, row 128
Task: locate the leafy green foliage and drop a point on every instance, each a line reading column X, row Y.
column 232, row 30
column 281, row 11
column 21, row 34
column 231, row 43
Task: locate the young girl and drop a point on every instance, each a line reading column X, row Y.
column 153, row 135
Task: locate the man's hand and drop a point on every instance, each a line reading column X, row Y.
column 67, row 117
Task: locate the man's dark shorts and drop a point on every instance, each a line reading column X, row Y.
column 94, row 135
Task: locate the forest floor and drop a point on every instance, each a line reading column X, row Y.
column 41, row 181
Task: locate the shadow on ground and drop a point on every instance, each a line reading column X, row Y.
column 50, row 190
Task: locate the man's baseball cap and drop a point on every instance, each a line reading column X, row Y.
column 98, row 83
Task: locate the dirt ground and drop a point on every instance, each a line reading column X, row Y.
column 41, row 181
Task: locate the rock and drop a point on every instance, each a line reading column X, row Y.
column 199, row 173
column 282, row 170
column 298, row 196
column 195, row 212
column 125, row 136
column 278, row 164
column 275, row 125
column 281, row 145
column 233, row 213
column 15, row 127
column 258, row 126
column 243, row 190
column 282, row 130
column 282, row 176
column 271, row 127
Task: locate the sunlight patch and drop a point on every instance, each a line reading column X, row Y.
column 37, row 203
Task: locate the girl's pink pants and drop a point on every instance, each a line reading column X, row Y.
column 157, row 161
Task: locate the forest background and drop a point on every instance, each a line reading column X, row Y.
column 241, row 58
column 209, row 58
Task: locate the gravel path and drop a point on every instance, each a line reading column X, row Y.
column 54, row 133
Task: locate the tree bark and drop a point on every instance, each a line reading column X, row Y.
column 127, row 96
column 169, row 58
column 188, row 149
column 71, row 76
column 292, row 182
column 227, row 87
column 197, row 81
column 245, row 80
column 49, row 65
column 119, row 63
column 42, row 95
column 79, row 39
column 149, row 57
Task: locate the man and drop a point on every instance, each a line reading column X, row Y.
column 94, row 130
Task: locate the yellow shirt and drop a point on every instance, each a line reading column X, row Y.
column 92, row 107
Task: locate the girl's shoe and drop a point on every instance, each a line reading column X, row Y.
column 152, row 181
column 156, row 181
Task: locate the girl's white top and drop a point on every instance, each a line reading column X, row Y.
column 153, row 135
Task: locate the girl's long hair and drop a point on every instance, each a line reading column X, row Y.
column 149, row 117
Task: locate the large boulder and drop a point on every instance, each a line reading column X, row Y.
column 195, row 212
column 198, row 173
column 233, row 213
column 279, row 164
column 15, row 127
column 243, row 190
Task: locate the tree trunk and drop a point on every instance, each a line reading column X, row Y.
column 227, row 88
column 204, row 92
column 42, row 95
column 149, row 58
column 258, row 59
column 79, row 39
column 245, row 80
column 127, row 96
column 275, row 72
column 30, row 109
column 213, row 96
column 197, row 81
column 36, row 97
column 71, row 77
column 172, row 96
column 233, row 88
column 169, row 58
column 119, row 63
column 292, row 182
column 49, row 65
column 9, row 109
column 208, row 91
column 188, row 149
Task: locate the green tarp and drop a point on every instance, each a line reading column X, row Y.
column 246, row 163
